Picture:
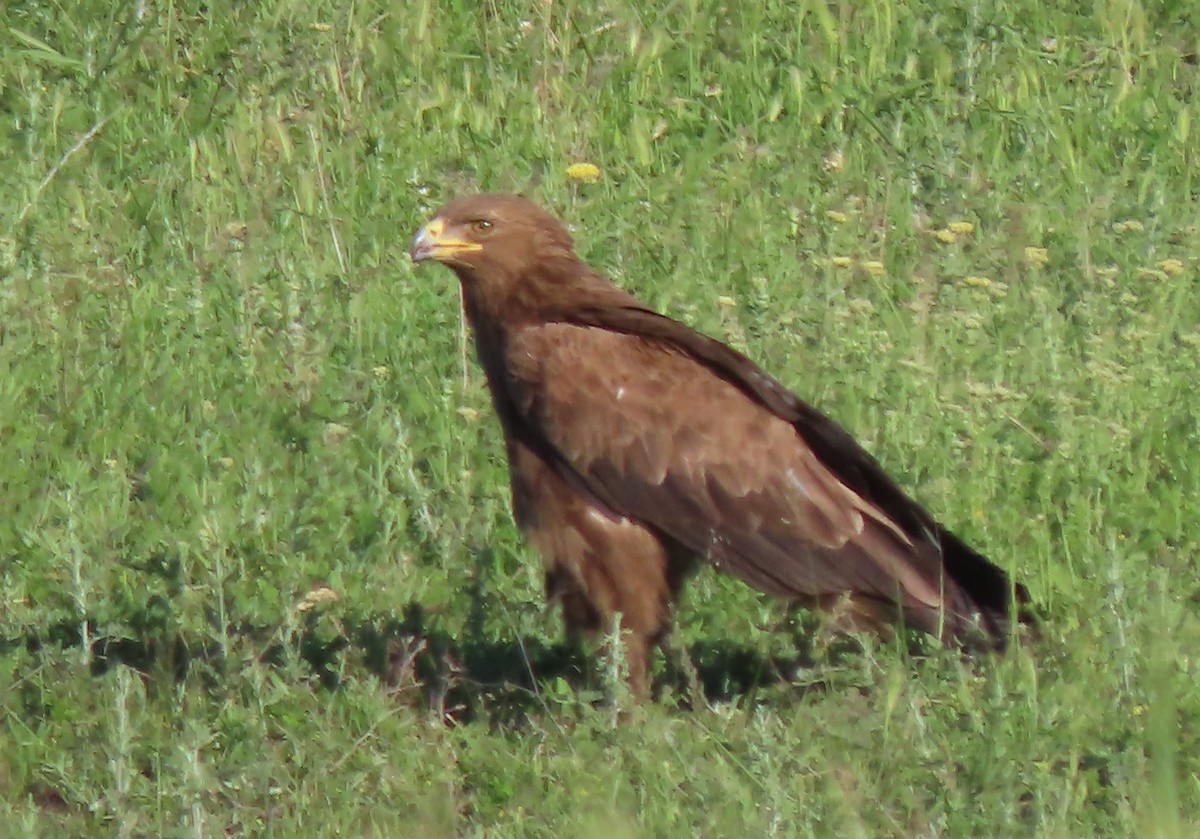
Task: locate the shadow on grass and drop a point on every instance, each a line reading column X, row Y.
column 468, row 678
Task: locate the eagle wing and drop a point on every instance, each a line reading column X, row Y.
column 632, row 415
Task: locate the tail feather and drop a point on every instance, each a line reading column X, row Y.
column 995, row 596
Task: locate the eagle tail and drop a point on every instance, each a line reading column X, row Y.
column 991, row 595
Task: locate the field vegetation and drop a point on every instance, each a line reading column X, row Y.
column 258, row 576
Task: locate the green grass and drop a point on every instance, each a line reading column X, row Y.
column 257, row 570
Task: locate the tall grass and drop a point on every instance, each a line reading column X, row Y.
column 257, row 567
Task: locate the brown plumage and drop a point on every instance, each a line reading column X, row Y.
column 637, row 445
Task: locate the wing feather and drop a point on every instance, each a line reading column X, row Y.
column 660, row 437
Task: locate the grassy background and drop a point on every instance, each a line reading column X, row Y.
column 257, row 570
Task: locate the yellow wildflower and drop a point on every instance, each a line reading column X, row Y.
column 726, row 301
column 964, row 228
column 874, row 267
column 841, row 262
column 1171, row 267
column 1037, row 257
column 833, row 161
column 587, row 173
column 320, row 595
column 946, row 236
column 1128, row 226
column 976, row 282
column 468, row 413
column 837, row 216
column 380, row 371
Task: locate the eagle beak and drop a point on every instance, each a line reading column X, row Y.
column 434, row 242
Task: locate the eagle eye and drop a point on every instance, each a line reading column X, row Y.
column 482, row 226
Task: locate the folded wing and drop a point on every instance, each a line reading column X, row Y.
column 653, row 431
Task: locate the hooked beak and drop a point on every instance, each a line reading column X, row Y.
column 434, row 242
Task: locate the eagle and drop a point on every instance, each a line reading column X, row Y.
column 638, row 448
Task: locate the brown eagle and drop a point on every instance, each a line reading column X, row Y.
column 636, row 446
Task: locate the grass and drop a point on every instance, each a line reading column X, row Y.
column 257, row 568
